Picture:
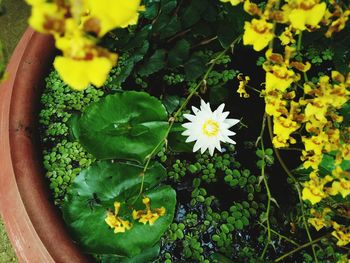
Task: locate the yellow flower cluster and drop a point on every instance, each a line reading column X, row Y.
column 114, row 221
column 320, row 117
column 319, row 220
column 298, row 15
column 73, row 24
column 323, row 219
column 145, row 216
column 148, row 215
column 320, row 188
column 304, row 110
column 337, row 19
column 317, row 109
column 342, row 234
column 314, row 190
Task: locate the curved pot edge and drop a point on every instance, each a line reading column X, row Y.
column 34, row 236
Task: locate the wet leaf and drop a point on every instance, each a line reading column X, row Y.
column 179, row 53
column 94, row 192
column 177, row 142
column 124, row 126
column 155, row 63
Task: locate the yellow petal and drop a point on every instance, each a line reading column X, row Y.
column 46, row 17
column 80, row 73
column 233, row 2
column 35, row 2
column 297, row 19
column 315, row 14
column 257, row 33
column 119, row 13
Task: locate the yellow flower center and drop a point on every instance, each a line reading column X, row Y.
column 260, row 27
column 307, row 5
column 210, row 128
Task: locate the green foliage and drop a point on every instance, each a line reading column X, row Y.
column 173, row 79
column 125, row 126
column 220, row 202
column 177, row 28
column 325, row 253
column 266, row 157
column 320, row 51
column 155, row 63
column 96, row 189
column 59, row 103
column 179, row 53
column 63, row 163
column 326, row 167
column 144, row 257
column 177, row 142
column 204, row 218
column 63, row 160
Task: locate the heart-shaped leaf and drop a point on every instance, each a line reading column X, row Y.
column 94, row 192
column 126, row 126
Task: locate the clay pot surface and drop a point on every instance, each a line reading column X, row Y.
column 33, row 224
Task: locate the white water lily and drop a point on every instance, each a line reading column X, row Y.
column 208, row 128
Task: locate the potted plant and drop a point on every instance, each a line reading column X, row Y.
column 119, row 160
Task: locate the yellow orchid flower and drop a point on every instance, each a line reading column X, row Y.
column 46, row 17
column 279, row 78
column 319, row 220
column 80, row 73
column 114, row 221
column 342, row 234
column 314, row 189
column 148, row 215
column 257, row 33
column 83, row 62
column 304, row 13
column 110, row 14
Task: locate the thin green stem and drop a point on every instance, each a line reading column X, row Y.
column 252, row 88
column 305, row 222
column 267, row 216
column 296, row 183
column 300, row 37
column 263, row 125
column 277, row 5
column 291, row 149
column 280, row 235
column 278, row 155
column 203, row 81
column 300, row 247
column 268, row 203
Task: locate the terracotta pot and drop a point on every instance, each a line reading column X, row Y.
column 33, row 224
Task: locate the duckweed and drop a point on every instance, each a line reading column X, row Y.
column 62, row 159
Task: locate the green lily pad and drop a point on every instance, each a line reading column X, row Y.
column 145, row 257
column 94, row 192
column 177, row 141
column 126, row 126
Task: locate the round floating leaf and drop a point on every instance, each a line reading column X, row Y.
column 177, row 142
column 146, row 256
column 94, row 192
column 126, row 126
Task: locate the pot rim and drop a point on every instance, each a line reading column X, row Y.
column 32, row 222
